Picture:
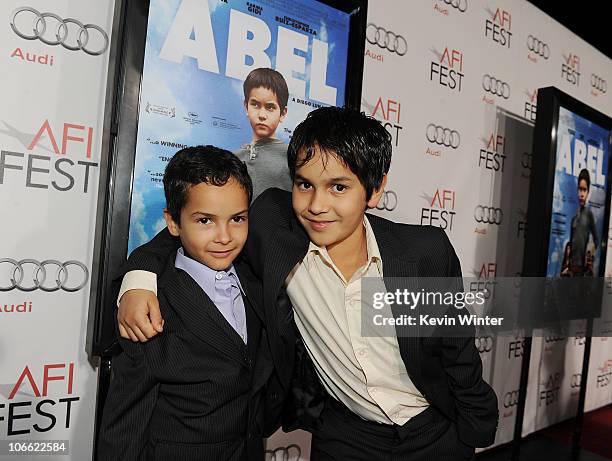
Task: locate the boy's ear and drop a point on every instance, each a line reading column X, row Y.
column 173, row 227
column 377, row 193
column 283, row 114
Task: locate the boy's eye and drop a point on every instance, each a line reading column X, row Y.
column 339, row 187
column 239, row 219
column 271, row 107
column 204, row 220
column 303, row 185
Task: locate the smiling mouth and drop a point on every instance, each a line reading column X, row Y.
column 318, row 225
column 221, row 254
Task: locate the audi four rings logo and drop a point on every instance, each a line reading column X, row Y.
column 575, row 381
column 443, row 136
column 511, row 399
column 289, row 453
column 386, row 39
column 488, row 215
column 484, row 344
column 538, row 46
column 460, row 5
column 48, row 275
column 388, row 201
column 599, row 83
column 495, row 86
column 59, row 33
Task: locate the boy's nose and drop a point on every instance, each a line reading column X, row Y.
column 317, row 203
column 223, row 235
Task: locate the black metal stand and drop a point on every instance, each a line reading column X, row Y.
column 576, row 439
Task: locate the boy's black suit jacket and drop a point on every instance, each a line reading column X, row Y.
column 196, row 391
column 446, row 370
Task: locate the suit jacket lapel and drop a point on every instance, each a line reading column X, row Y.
column 397, row 262
column 287, row 248
column 199, row 314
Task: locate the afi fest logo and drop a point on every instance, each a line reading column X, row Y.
column 447, row 69
column 493, row 156
column 497, row 29
column 486, row 279
column 68, row 168
column 570, row 69
column 40, row 400
column 549, row 389
column 602, row 379
column 521, row 225
column 387, row 112
column 531, row 105
column 440, row 210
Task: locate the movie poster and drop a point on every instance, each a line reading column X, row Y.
column 199, row 54
column 579, row 197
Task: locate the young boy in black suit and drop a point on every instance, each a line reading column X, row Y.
column 363, row 398
column 197, row 391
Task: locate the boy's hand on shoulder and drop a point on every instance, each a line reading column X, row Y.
column 139, row 316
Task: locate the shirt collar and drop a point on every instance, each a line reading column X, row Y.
column 201, row 273
column 371, row 245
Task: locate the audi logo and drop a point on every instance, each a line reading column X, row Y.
column 599, row 83
column 511, row 399
column 484, row 344
column 443, row 136
column 49, row 275
column 460, row 5
column 388, row 201
column 494, row 86
column 576, row 380
column 386, row 39
column 289, row 453
column 538, row 47
column 488, row 215
column 59, row 31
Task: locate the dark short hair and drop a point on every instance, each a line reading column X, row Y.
column 270, row 79
column 584, row 174
column 201, row 164
column 357, row 140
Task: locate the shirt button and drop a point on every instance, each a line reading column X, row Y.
column 218, row 276
column 373, row 390
column 363, row 353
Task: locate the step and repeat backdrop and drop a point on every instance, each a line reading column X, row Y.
column 53, row 70
column 455, row 83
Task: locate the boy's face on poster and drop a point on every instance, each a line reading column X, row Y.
column 214, row 226
column 264, row 112
column 583, row 192
column 329, row 200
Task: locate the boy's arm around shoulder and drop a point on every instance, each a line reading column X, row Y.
column 475, row 401
column 129, row 406
column 152, row 256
